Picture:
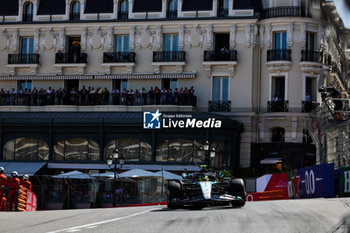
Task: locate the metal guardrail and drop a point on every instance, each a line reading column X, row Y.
column 169, row 56
column 214, row 55
column 70, row 58
column 24, row 58
column 277, row 106
column 312, row 56
column 219, row 106
column 121, row 57
column 279, row 55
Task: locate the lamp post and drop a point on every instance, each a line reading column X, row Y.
column 114, row 158
column 203, row 150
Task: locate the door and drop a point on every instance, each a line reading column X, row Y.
column 278, row 88
column 220, row 89
column 70, row 84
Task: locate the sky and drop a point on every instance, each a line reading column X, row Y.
column 344, row 11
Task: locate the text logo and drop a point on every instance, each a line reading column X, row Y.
column 152, row 120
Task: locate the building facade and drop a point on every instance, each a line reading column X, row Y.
column 255, row 63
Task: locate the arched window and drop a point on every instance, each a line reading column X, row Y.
column 277, row 134
column 123, row 13
column 26, row 149
column 178, row 150
column 75, row 10
column 222, row 154
column 172, row 9
column 76, row 149
column 131, row 149
column 28, row 9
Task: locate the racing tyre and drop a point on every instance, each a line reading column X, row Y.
column 237, row 189
column 171, row 205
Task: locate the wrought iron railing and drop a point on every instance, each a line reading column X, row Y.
column 27, row 18
column 24, row 58
column 308, row 106
column 118, row 57
column 225, row 55
column 313, row 56
column 123, row 15
column 219, row 106
column 287, row 11
column 74, row 17
column 277, row 106
column 169, row 56
column 279, row 55
column 171, row 14
column 71, row 58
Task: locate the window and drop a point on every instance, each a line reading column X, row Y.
column 222, row 154
column 169, row 83
column 122, row 44
column 28, row 10
column 310, row 41
column 25, row 84
column 27, row 45
column 123, row 10
column 278, row 134
column 76, row 149
column 280, row 40
column 178, row 150
column 223, row 8
column 132, row 149
column 221, row 89
column 172, row 9
column 75, row 10
column 278, row 87
column 171, row 42
column 310, row 87
column 26, row 149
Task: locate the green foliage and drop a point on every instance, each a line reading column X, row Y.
column 225, row 172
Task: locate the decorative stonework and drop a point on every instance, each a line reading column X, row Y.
column 261, row 34
column 279, row 66
column 195, row 36
column 61, row 39
column 226, row 65
column 108, row 45
column 290, row 35
column 247, row 35
column 311, row 67
column 233, row 36
column 268, row 38
column 209, row 37
column 36, row 39
column 255, row 35
column 132, row 38
column 4, row 40
column 145, row 37
column 181, row 36
column 96, row 39
column 158, row 38
column 48, row 40
column 14, row 41
column 302, row 35
column 83, row 41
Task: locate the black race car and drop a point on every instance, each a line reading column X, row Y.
column 205, row 188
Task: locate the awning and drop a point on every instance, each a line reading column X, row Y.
column 139, row 173
column 102, row 166
column 147, row 76
column 52, row 77
column 169, row 176
column 73, row 175
column 271, row 161
column 29, row 168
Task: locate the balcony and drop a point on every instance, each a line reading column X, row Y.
column 123, row 16
column 214, row 55
column 277, row 106
column 118, row 59
column 26, row 58
column 279, row 55
column 171, row 14
column 308, row 106
column 70, row 60
column 311, row 56
column 219, row 106
column 29, row 61
column 27, row 18
column 286, row 11
column 169, row 56
column 74, row 17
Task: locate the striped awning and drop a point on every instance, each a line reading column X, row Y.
column 51, row 77
column 147, row 76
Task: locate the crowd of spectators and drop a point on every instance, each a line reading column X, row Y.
column 99, row 96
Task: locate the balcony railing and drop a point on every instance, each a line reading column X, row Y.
column 27, row 18
column 74, row 17
column 308, row 106
column 171, row 14
column 123, row 15
column 277, row 106
column 24, row 58
column 70, row 58
column 279, row 55
column 287, row 11
column 118, row 57
column 219, row 106
column 213, row 55
column 169, row 56
column 222, row 13
column 313, row 56
column 327, row 60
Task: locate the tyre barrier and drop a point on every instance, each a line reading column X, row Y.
column 22, row 199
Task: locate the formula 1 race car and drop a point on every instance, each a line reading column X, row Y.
column 205, row 188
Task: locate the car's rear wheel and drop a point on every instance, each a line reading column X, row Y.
column 238, row 190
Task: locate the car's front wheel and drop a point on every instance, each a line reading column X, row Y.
column 238, row 190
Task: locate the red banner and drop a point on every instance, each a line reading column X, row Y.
column 31, row 201
column 273, row 182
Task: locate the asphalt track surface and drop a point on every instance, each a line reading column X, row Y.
column 314, row 215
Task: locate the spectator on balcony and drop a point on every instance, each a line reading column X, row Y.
column 8, row 97
column 35, row 94
column 13, row 96
column 225, row 53
column 308, row 97
column 105, row 94
column 137, row 97
column 275, row 98
column 176, row 96
column 83, row 94
column 66, row 96
column 144, row 96
column 44, row 97
column 28, row 97
column 124, row 96
column 186, row 95
column 91, row 97
column 151, row 96
column 74, row 96
column 130, row 97
column 76, row 51
column 115, row 96
column 53, row 96
column 49, row 96
column 170, row 98
column 163, row 96
column 180, row 100
column 157, row 95
column 59, row 96
column 20, row 96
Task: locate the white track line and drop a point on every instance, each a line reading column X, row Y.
column 91, row 225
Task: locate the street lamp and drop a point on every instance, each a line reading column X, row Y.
column 114, row 158
column 203, row 151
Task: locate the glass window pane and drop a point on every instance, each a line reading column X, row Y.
column 29, row 85
column 24, row 45
column 26, row 149
column 175, row 43
column 173, row 84
column 118, row 47
column 109, row 149
column 43, row 150
column 76, row 149
column 129, row 148
column 216, row 89
column 94, row 151
column 226, row 4
column 146, row 151
column 196, row 156
column 126, row 44
column 162, row 152
column 284, row 40
column 124, row 84
column 59, row 151
column 9, row 150
column 277, row 40
column 167, row 43
column 225, row 89
column 31, row 45
column 22, row 85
